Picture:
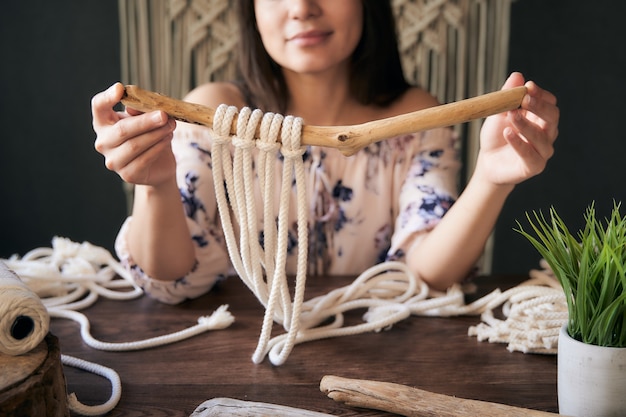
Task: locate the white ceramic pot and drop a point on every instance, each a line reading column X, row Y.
column 591, row 379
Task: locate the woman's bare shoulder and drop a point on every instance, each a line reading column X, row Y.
column 216, row 93
column 414, row 99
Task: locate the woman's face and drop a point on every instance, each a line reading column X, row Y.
column 309, row 36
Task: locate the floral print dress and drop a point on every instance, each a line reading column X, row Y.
column 363, row 209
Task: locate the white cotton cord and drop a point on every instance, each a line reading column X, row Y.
column 391, row 314
column 220, row 319
column 534, row 312
column 269, row 147
column 241, row 180
column 278, row 280
column 88, row 300
column 116, row 387
column 363, row 293
column 389, row 292
column 24, row 320
column 293, row 151
column 246, row 129
column 69, row 277
column 225, row 193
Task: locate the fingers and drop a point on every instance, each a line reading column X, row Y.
column 540, row 111
column 123, row 127
column 144, row 167
column 532, row 129
column 535, row 91
column 124, row 147
column 516, row 79
column 155, row 123
column 133, row 143
column 102, row 105
column 523, row 132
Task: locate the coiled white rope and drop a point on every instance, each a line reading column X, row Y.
column 534, row 313
column 389, row 291
column 24, row 320
column 70, row 276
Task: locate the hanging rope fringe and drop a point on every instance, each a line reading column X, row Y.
column 71, row 276
column 389, row 291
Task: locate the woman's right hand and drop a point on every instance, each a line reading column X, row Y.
column 136, row 145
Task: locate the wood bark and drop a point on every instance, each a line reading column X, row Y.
column 35, row 382
column 348, row 139
column 238, row 408
column 413, row 402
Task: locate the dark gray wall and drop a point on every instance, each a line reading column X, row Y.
column 576, row 49
column 57, row 54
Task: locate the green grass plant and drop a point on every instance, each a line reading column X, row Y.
column 591, row 268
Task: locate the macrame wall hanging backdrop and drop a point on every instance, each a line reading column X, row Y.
column 454, row 48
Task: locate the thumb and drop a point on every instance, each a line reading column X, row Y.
column 516, row 79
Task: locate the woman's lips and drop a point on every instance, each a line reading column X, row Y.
column 310, row 38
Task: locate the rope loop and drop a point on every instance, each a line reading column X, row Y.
column 270, row 129
column 69, row 277
column 290, row 136
column 222, row 121
column 390, row 292
column 247, row 122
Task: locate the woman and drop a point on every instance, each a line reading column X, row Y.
column 331, row 63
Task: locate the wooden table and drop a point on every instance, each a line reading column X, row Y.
column 433, row 354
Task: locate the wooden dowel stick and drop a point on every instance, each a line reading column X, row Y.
column 413, row 402
column 348, row 139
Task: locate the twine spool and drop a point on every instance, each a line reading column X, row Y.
column 24, row 320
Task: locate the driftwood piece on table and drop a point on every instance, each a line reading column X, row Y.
column 239, row 408
column 413, row 402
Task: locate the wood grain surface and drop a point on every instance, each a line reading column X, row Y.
column 432, row 354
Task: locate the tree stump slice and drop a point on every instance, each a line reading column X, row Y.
column 33, row 384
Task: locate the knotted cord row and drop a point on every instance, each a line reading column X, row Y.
column 234, row 182
column 389, row 291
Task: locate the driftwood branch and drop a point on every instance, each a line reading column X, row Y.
column 237, row 408
column 352, row 138
column 413, row 402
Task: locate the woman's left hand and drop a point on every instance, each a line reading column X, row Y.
column 517, row 144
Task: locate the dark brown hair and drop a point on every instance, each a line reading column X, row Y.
column 376, row 75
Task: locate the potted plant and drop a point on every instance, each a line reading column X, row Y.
column 591, row 268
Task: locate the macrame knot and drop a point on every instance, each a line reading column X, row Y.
column 247, row 122
column 222, row 121
column 266, row 147
column 290, row 136
column 389, row 291
column 270, row 129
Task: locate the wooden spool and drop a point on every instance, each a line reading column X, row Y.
column 33, row 384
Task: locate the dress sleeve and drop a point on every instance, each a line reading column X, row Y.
column 195, row 182
column 428, row 190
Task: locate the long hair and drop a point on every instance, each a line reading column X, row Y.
column 376, row 75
